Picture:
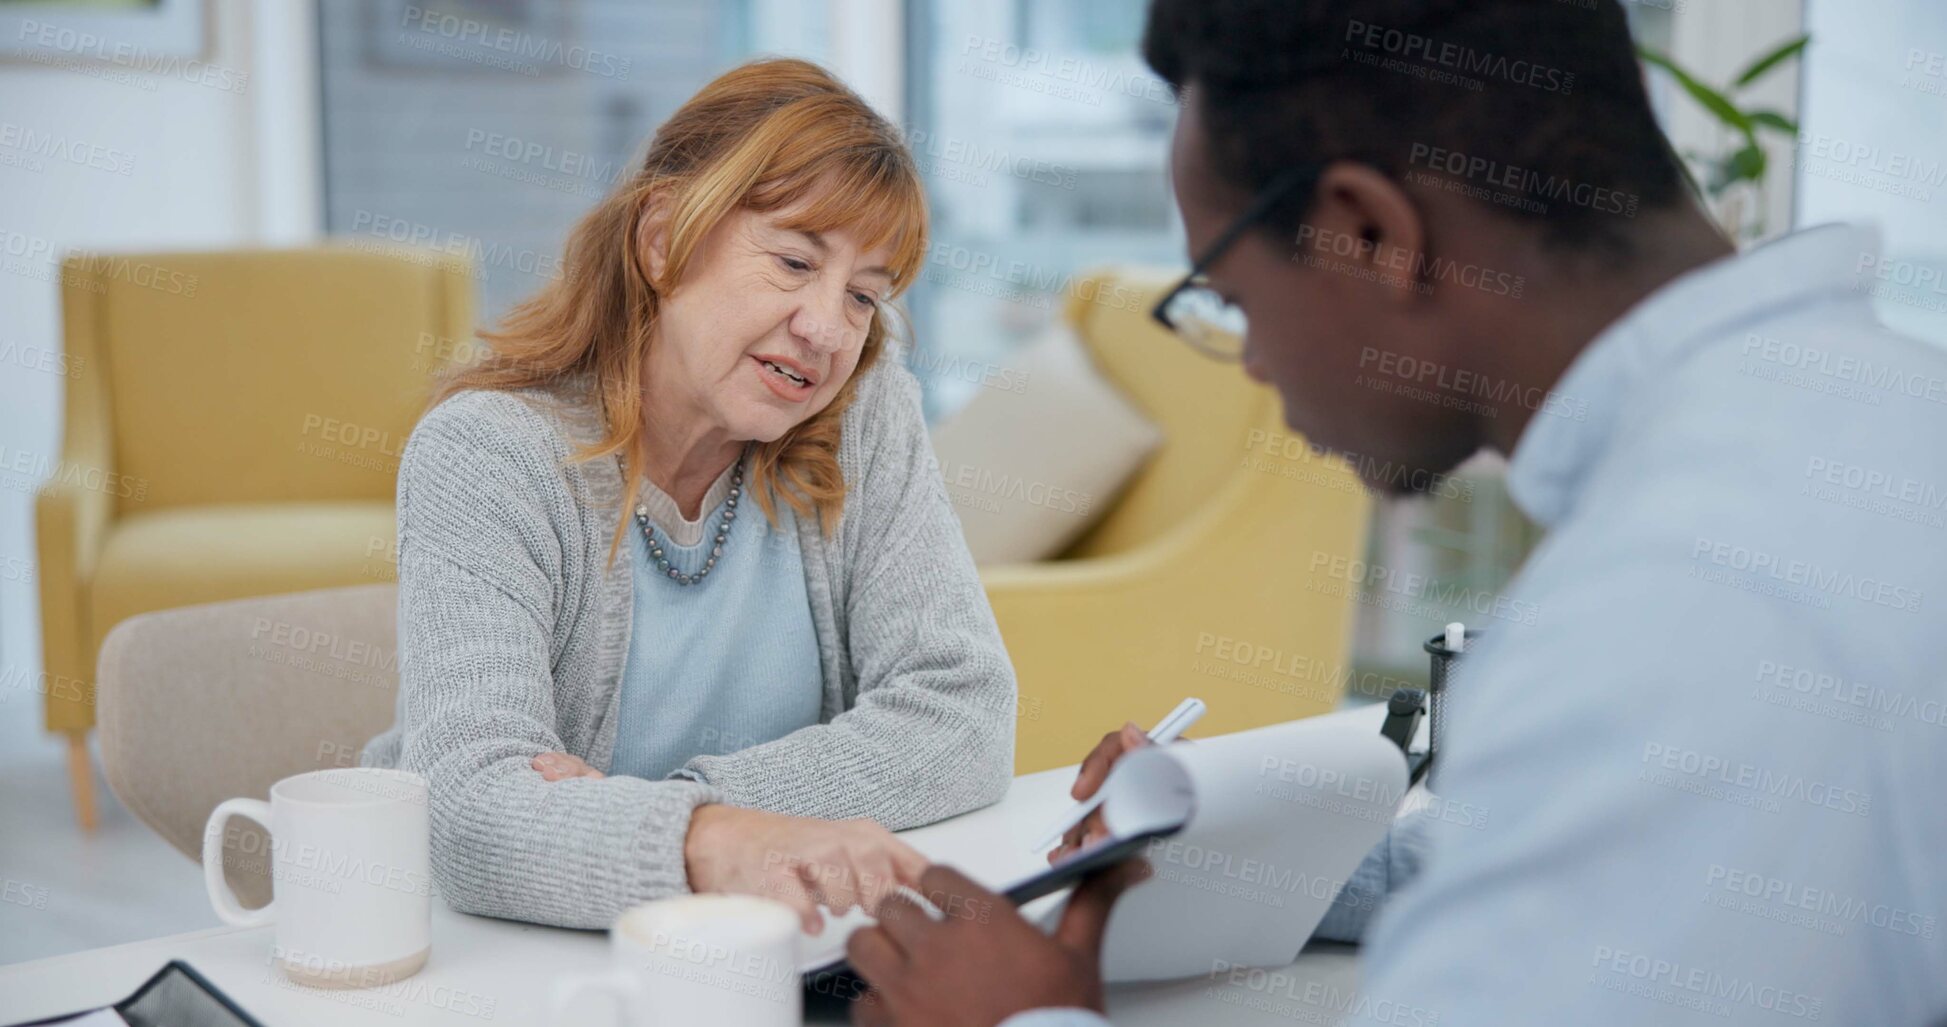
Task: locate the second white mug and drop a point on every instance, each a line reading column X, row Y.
column 699, row 959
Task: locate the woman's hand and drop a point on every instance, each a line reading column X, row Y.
column 799, row 861
column 559, row 766
column 1095, row 770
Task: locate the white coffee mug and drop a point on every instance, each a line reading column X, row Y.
column 699, row 959
column 350, row 875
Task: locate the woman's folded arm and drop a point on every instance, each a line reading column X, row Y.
column 479, row 708
column 481, row 566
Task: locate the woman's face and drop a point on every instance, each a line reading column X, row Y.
column 766, row 325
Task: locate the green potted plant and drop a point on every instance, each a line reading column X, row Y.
column 1734, row 181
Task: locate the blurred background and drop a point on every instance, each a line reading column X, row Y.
column 478, row 130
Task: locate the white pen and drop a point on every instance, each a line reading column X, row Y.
column 1456, row 637
column 1167, row 730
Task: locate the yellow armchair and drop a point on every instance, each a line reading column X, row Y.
column 1211, row 576
column 233, row 426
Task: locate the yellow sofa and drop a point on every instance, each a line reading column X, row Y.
column 1212, row 574
column 233, row 427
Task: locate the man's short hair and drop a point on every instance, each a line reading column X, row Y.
column 1535, row 108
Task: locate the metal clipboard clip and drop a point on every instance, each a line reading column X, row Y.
column 1403, row 713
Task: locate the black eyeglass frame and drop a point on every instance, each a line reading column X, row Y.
column 1266, row 200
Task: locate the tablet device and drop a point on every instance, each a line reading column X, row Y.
column 177, row 996
column 835, row 981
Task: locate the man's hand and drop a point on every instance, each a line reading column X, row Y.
column 980, row 962
column 1095, row 770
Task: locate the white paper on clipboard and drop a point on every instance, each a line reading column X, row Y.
column 1282, row 815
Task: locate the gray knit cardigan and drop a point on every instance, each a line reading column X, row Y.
column 513, row 630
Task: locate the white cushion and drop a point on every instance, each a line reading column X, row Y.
column 1031, row 467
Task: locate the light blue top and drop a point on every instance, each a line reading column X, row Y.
column 1713, row 763
column 727, row 663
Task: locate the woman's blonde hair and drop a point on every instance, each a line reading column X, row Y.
column 761, row 137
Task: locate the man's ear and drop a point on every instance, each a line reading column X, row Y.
column 652, row 238
column 1362, row 217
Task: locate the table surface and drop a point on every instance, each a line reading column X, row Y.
column 496, row 971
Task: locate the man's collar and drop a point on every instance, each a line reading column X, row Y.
column 1566, row 438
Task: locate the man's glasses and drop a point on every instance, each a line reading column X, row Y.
column 1198, row 314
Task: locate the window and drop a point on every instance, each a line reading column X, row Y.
column 1044, row 141
column 486, row 127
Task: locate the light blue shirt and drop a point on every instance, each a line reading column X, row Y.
column 1713, row 763
column 725, row 664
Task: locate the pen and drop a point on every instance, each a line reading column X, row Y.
column 1166, row 731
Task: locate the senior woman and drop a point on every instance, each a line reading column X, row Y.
column 770, row 691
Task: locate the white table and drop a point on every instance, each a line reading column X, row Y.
column 486, row 971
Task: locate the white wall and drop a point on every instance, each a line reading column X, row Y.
column 189, row 156
column 1873, row 144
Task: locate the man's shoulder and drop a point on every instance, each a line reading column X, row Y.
column 1773, row 519
column 1825, row 366
column 1766, row 419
